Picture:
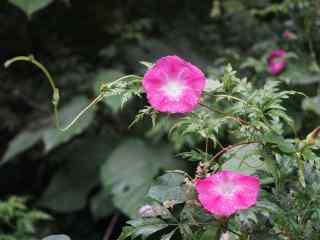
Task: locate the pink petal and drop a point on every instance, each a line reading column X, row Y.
column 276, row 61
column 226, row 192
column 173, row 85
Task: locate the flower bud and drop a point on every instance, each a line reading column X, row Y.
column 312, row 137
column 152, row 211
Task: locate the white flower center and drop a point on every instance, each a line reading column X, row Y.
column 174, row 89
column 227, row 188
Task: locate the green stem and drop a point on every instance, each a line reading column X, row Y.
column 222, row 227
column 94, row 101
column 55, row 91
column 236, row 119
column 219, row 233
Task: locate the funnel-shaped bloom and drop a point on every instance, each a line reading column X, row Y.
column 276, row 61
column 226, row 192
column 173, row 85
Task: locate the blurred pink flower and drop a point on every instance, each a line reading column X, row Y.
column 146, row 211
column 276, row 61
column 173, row 85
column 226, row 192
column 289, row 35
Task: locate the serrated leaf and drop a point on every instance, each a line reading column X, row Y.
column 130, row 170
column 168, row 187
column 147, row 226
column 169, row 235
column 283, row 144
column 244, row 159
column 270, row 163
column 30, row 6
column 212, row 85
column 126, row 232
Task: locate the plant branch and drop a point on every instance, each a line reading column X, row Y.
column 228, row 148
column 236, row 119
column 55, row 90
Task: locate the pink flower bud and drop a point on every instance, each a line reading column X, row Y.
column 152, row 211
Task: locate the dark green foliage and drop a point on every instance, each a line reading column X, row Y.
column 18, row 221
column 248, row 120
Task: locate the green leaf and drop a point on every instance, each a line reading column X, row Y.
column 169, row 235
column 57, row 237
column 301, row 170
column 207, row 234
column 101, row 205
column 70, row 186
column 126, row 232
column 283, row 144
column 299, row 73
column 21, row 143
column 245, row 159
column 312, row 104
column 212, row 85
column 147, row 64
column 107, row 76
column 130, row 170
column 52, row 137
column 168, row 187
column 30, row 6
column 271, row 164
column 147, row 226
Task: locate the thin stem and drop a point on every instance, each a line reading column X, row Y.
column 95, row 101
column 234, row 232
column 235, row 98
column 222, row 227
column 219, row 143
column 229, row 96
column 124, row 77
column 228, row 148
column 207, row 148
column 219, row 233
column 55, row 91
column 35, row 62
column 180, row 172
column 236, row 119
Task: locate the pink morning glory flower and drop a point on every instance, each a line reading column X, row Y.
column 226, row 192
column 276, row 61
column 173, row 85
column 289, row 35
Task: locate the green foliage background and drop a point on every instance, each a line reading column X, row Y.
column 101, row 170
